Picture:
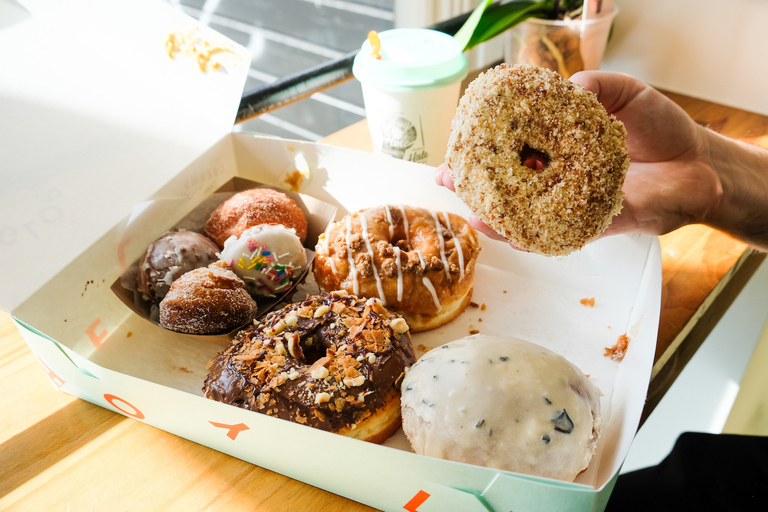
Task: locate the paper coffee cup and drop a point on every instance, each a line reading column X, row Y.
column 411, row 92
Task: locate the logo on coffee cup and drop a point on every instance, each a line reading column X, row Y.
column 398, row 135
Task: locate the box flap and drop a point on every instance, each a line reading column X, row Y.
column 96, row 117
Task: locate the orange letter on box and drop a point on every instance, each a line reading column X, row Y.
column 96, row 339
column 135, row 413
column 57, row 381
column 121, row 252
column 416, row 501
column 233, row 429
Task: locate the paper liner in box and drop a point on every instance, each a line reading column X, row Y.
column 144, row 220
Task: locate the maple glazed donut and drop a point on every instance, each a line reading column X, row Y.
column 333, row 362
column 537, row 158
column 418, row 262
column 251, row 208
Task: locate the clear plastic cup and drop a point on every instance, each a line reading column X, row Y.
column 411, row 92
column 565, row 46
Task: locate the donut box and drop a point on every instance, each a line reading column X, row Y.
column 131, row 141
column 318, row 214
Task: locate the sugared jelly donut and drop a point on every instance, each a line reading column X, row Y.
column 418, row 262
column 170, row 256
column 537, row 158
column 266, row 258
column 333, row 362
column 207, row 300
column 253, row 207
column 503, row 403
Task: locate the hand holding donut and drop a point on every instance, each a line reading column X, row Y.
column 681, row 173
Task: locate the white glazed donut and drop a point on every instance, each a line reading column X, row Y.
column 502, row 403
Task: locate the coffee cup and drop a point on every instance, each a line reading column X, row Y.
column 411, row 80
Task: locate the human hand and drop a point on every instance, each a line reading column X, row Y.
column 670, row 182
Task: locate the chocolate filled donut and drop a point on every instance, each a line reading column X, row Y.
column 168, row 258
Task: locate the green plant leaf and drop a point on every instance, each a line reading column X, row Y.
column 464, row 35
column 502, row 17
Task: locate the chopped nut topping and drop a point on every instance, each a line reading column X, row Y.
column 354, row 382
column 277, row 328
column 291, row 319
column 339, row 293
column 280, row 348
column 319, row 373
column 322, row 310
column 399, row 325
column 321, row 398
column 371, row 358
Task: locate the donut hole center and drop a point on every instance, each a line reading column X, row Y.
column 533, row 158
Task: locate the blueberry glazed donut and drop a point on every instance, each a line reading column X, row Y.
column 333, row 362
column 418, row 262
column 537, row 158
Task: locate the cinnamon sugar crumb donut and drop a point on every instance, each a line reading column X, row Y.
column 537, row 158
column 252, row 208
column 207, row 300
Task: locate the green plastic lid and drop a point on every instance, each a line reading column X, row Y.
column 411, row 57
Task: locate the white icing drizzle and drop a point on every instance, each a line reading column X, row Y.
column 399, row 274
column 439, row 230
column 364, row 223
column 326, row 241
column 391, row 224
column 432, row 292
column 405, row 224
column 456, row 245
column 351, row 259
column 421, row 259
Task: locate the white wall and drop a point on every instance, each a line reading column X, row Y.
column 711, row 49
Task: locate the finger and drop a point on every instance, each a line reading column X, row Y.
column 482, row 227
column 443, row 177
column 613, row 90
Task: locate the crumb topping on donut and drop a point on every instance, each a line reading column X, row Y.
column 537, row 158
column 328, row 362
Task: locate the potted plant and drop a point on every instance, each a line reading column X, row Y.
column 563, row 35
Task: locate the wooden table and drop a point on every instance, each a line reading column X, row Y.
column 61, row 453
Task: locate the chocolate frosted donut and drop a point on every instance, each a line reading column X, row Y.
column 537, row 158
column 333, row 362
column 252, row 208
column 170, row 256
column 208, row 300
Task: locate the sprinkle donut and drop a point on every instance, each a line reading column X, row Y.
column 537, row 158
column 418, row 262
column 333, row 362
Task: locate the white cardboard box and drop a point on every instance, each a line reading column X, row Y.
column 100, row 166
